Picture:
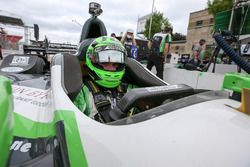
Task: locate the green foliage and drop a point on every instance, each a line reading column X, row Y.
column 178, row 37
column 157, row 21
column 219, row 6
column 207, row 54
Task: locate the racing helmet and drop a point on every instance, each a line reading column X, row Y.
column 106, row 50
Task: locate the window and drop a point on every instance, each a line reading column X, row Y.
column 211, row 21
column 199, row 23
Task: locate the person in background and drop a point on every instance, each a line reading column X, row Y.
column 169, row 55
column 195, row 62
column 113, row 35
column 129, row 42
column 197, row 49
column 159, row 50
column 1, row 55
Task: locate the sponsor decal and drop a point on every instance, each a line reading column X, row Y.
column 20, row 60
column 12, row 69
column 25, row 149
column 20, row 146
column 37, row 97
column 33, row 103
column 29, row 92
column 161, row 88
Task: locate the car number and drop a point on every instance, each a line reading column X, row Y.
column 20, row 60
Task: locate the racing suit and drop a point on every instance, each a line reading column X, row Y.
column 96, row 101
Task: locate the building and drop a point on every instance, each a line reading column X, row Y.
column 141, row 22
column 201, row 25
column 11, row 31
column 178, row 47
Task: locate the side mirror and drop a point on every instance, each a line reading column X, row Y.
column 36, row 32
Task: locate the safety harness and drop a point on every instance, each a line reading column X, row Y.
column 104, row 100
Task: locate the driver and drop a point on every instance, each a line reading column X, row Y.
column 106, row 59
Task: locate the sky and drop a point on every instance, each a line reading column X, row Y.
column 61, row 20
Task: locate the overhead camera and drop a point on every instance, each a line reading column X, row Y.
column 95, row 9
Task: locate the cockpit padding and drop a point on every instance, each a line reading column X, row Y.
column 71, row 75
column 81, row 53
column 139, row 75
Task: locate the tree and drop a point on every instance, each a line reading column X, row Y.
column 178, row 37
column 157, row 21
column 219, row 6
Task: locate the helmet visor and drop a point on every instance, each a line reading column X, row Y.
column 111, row 56
column 108, row 54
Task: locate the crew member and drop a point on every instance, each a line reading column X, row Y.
column 129, row 42
column 159, row 49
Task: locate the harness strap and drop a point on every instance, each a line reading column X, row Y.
column 101, row 102
column 92, row 87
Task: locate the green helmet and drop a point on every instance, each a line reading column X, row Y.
column 106, row 50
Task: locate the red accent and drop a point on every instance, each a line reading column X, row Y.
column 10, row 38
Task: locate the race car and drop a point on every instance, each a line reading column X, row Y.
column 179, row 126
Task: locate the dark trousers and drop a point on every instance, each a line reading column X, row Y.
column 1, row 56
column 156, row 61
